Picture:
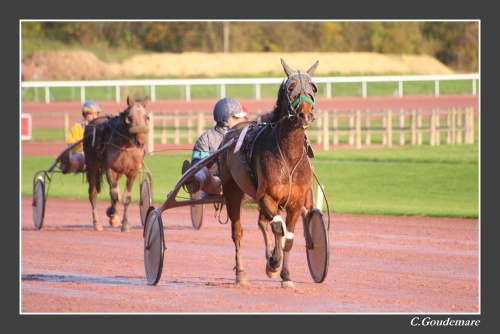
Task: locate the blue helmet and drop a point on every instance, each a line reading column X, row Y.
column 90, row 107
column 225, row 108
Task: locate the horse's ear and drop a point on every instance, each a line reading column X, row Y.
column 130, row 103
column 145, row 101
column 313, row 68
column 287, row 68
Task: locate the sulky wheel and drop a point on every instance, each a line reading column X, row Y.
column 197, row 211
column 154, row 246
column 145, row 200
column 318, row 253
column 38, row 202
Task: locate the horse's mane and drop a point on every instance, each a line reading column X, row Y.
column 276, row 112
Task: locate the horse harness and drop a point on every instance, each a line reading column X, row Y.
column 253, row 133
column 104, row 144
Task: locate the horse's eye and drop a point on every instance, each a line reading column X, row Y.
column 314, row 87
column 292, row 86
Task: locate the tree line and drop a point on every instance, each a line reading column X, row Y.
column 454, row 43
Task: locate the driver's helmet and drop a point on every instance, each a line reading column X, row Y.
column 90, row 107
column 226, row 108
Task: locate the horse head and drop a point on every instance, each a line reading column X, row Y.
column 300, row 92
column 136, row 117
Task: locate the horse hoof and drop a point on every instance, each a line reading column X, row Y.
column 114, row 221
column 126, row 227
column 287, row 285
column 241, row 279
column 97, row 227
column 242, row 282
column 271, row 272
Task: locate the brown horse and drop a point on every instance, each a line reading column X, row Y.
column 273, row 168
column 115, row 145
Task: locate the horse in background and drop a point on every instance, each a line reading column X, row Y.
column 115, row 146
column 273, row 168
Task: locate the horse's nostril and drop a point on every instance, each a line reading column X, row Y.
column 306, row 116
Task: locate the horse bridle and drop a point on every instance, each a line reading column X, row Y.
column 129, row 137
column 302, row 89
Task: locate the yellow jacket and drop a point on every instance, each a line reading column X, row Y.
column 75, row 134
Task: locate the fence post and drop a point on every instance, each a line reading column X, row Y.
column 368, row 134
column 358, row 129
column 326, row 140
column 438, row 126
column 384, row 127
column 319, row 198
column 419, row 127
column 432, row 139
column 201, row 123
column 351, row 127
column 163, row 128
column 449, row 134
column 471, row 122
column 453, row 126
column 66, row 126
column 459, row 126
column 468, row 127
column 413, row 127
column 151, row 133
column 401, row 127
column 389, row 128
column 335, row 127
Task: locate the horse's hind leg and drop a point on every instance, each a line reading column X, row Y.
column 127, row 196
column 233, row 205
column 92, row 179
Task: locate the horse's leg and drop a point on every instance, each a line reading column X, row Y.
column 269, row 212
column 92, row 180
column 267, row 234
column 127, row 196
column 291, row 220
column 114, row 194
column 233, row 206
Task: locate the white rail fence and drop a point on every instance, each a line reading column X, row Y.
column 256, row 82
column 353, row 128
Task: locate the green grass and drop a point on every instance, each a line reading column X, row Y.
column 437, row 181
column 450, row 87
column 440, row 181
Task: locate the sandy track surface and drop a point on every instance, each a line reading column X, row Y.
column 378, row 264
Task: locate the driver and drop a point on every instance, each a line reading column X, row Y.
column 227, row 112
column 74, row 161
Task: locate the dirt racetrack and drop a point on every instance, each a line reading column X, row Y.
column 378, row 264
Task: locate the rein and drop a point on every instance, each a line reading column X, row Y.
column 291, row 108
column 132, row 138
column 290, row 174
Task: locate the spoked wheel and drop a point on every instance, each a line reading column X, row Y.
column 38, row 202
column 145, row 200
column 197, row 211
column 318, row 254
column 154, row 246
